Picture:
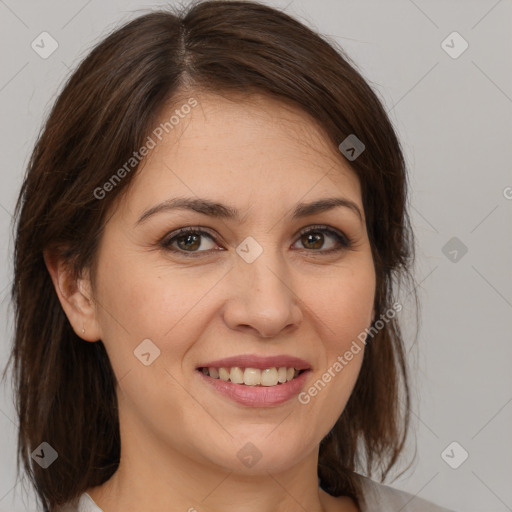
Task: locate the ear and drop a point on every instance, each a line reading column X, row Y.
column 75, row 297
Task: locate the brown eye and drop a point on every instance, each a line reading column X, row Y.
column 315, row 238
column 187, row 240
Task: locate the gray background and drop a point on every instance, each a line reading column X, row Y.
column 454, row 119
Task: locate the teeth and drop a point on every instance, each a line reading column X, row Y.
column 236, row 375
column 252, row 376
column 223, row 373
column 269, row 377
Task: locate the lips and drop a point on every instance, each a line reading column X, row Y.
column 237, row 378
column 256, row 396
column 260, row 362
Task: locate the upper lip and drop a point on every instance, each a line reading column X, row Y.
column 261, row 362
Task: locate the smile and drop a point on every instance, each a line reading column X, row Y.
column 254, row 395
column 253, row 376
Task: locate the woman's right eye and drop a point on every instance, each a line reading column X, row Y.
column 188, row 241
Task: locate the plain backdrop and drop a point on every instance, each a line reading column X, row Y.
column 453, row 115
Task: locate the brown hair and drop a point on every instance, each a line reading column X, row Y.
column 64, row 387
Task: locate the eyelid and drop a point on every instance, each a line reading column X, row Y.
column 323, row 228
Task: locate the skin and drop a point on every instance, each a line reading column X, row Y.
column 179, row 438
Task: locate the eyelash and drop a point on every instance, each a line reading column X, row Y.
column 345, row 242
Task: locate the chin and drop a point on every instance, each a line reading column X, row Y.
column 259, row 454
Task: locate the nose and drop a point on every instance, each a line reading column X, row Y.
column 262, row 299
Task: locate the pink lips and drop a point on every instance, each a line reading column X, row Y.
column 258, row 396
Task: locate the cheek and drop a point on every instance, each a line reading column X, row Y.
column 343, row 306
column 140, row 303
column 146, row 301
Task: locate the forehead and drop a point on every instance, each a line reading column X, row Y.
column 245, row 149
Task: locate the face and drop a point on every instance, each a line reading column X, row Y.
column 265, row 283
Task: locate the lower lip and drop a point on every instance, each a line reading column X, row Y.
column 258, row 396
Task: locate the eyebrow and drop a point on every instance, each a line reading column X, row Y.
column 215, row 209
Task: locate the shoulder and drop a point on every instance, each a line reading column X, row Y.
column 382, row 498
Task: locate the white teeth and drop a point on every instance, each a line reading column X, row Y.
column 269, row 377
column 252, row 376
column 236, row 375
column 224, row 374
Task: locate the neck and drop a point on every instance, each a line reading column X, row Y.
column 145, row 482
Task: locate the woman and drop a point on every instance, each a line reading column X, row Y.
column 209, row 237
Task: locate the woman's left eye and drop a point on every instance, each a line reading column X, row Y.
column 316, row 235
column 189, row 240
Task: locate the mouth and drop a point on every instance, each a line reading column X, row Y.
column 251, row 390
column 256, row 381
column 267, row 377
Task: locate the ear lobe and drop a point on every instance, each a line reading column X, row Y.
column 74, row 296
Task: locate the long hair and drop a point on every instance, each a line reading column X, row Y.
column 64, row 387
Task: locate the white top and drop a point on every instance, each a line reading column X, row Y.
column 379, row 498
